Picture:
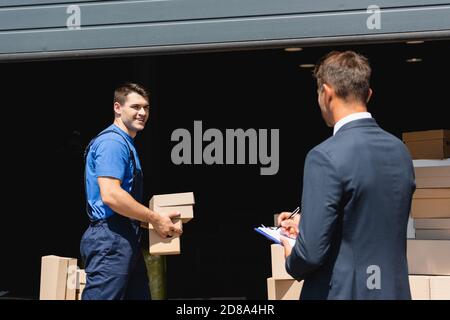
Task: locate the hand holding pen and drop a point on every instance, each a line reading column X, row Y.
column 288, row 222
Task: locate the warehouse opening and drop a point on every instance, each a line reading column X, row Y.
column 53, row 109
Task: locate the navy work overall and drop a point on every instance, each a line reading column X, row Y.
column 111, row 250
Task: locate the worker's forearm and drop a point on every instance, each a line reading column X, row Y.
column 123, row 203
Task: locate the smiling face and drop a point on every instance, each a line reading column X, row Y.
column 133, row 114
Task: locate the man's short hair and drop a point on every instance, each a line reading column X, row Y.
column 125, row 89
column 347, row 72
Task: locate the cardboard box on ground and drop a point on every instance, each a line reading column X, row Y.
column 425, row 287
column 281, row 286
column 283, row 289
column 428, row 258
column 61, row 279
column 432, row 196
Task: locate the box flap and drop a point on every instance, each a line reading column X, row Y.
column 173, row 199
column 425, row 135
column 432, row 193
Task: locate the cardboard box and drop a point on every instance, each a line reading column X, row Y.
column 432, row 173
column 432, row 223
column 440, row 288
column 159, row 246
column 182, row 202
column 431, row 203
column 278, row 262
column 428, row 257
column 167, row 203
column 54, row 278
column 420, row 287
column 433, row 234
column 283, row 289
column 431, row 144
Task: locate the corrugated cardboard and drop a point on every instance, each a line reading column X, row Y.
column 278, row 262
column 433, row 176
column 420, row 287
column 431, row 144
column 433, row 234
column 432, row 223
column 440, row 288
column 159, row 246
column 431, row 203
column 53, row 278
column 428, row 257
column 282, row 289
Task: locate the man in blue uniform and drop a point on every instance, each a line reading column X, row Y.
column 110, row 247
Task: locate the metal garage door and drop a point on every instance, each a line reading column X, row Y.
column 43, row 29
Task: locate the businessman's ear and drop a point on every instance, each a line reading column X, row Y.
column 369, row 95
column 328, row 93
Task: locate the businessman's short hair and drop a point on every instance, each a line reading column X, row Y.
column 347, row 72
column 125, row 89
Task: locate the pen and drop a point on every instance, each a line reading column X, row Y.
column 292, row 214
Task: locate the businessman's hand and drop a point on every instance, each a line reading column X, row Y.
column 287, row 247
column 166, row 227
column 288, row 226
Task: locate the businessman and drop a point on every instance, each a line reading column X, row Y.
column 357, row 190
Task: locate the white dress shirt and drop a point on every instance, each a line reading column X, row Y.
column 350, row 118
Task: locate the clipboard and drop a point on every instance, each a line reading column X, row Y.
column 274, row 235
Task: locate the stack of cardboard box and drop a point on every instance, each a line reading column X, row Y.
column 167, row 203
column 429, row 243
column 61, row 279
column 281, row 286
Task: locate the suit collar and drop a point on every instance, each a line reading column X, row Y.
column 367, row 122
column 351, row 117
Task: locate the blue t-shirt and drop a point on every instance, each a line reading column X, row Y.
column 109, row 156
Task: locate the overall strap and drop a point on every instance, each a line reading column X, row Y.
column 86, row 151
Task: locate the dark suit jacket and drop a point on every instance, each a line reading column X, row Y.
column 357, row 192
